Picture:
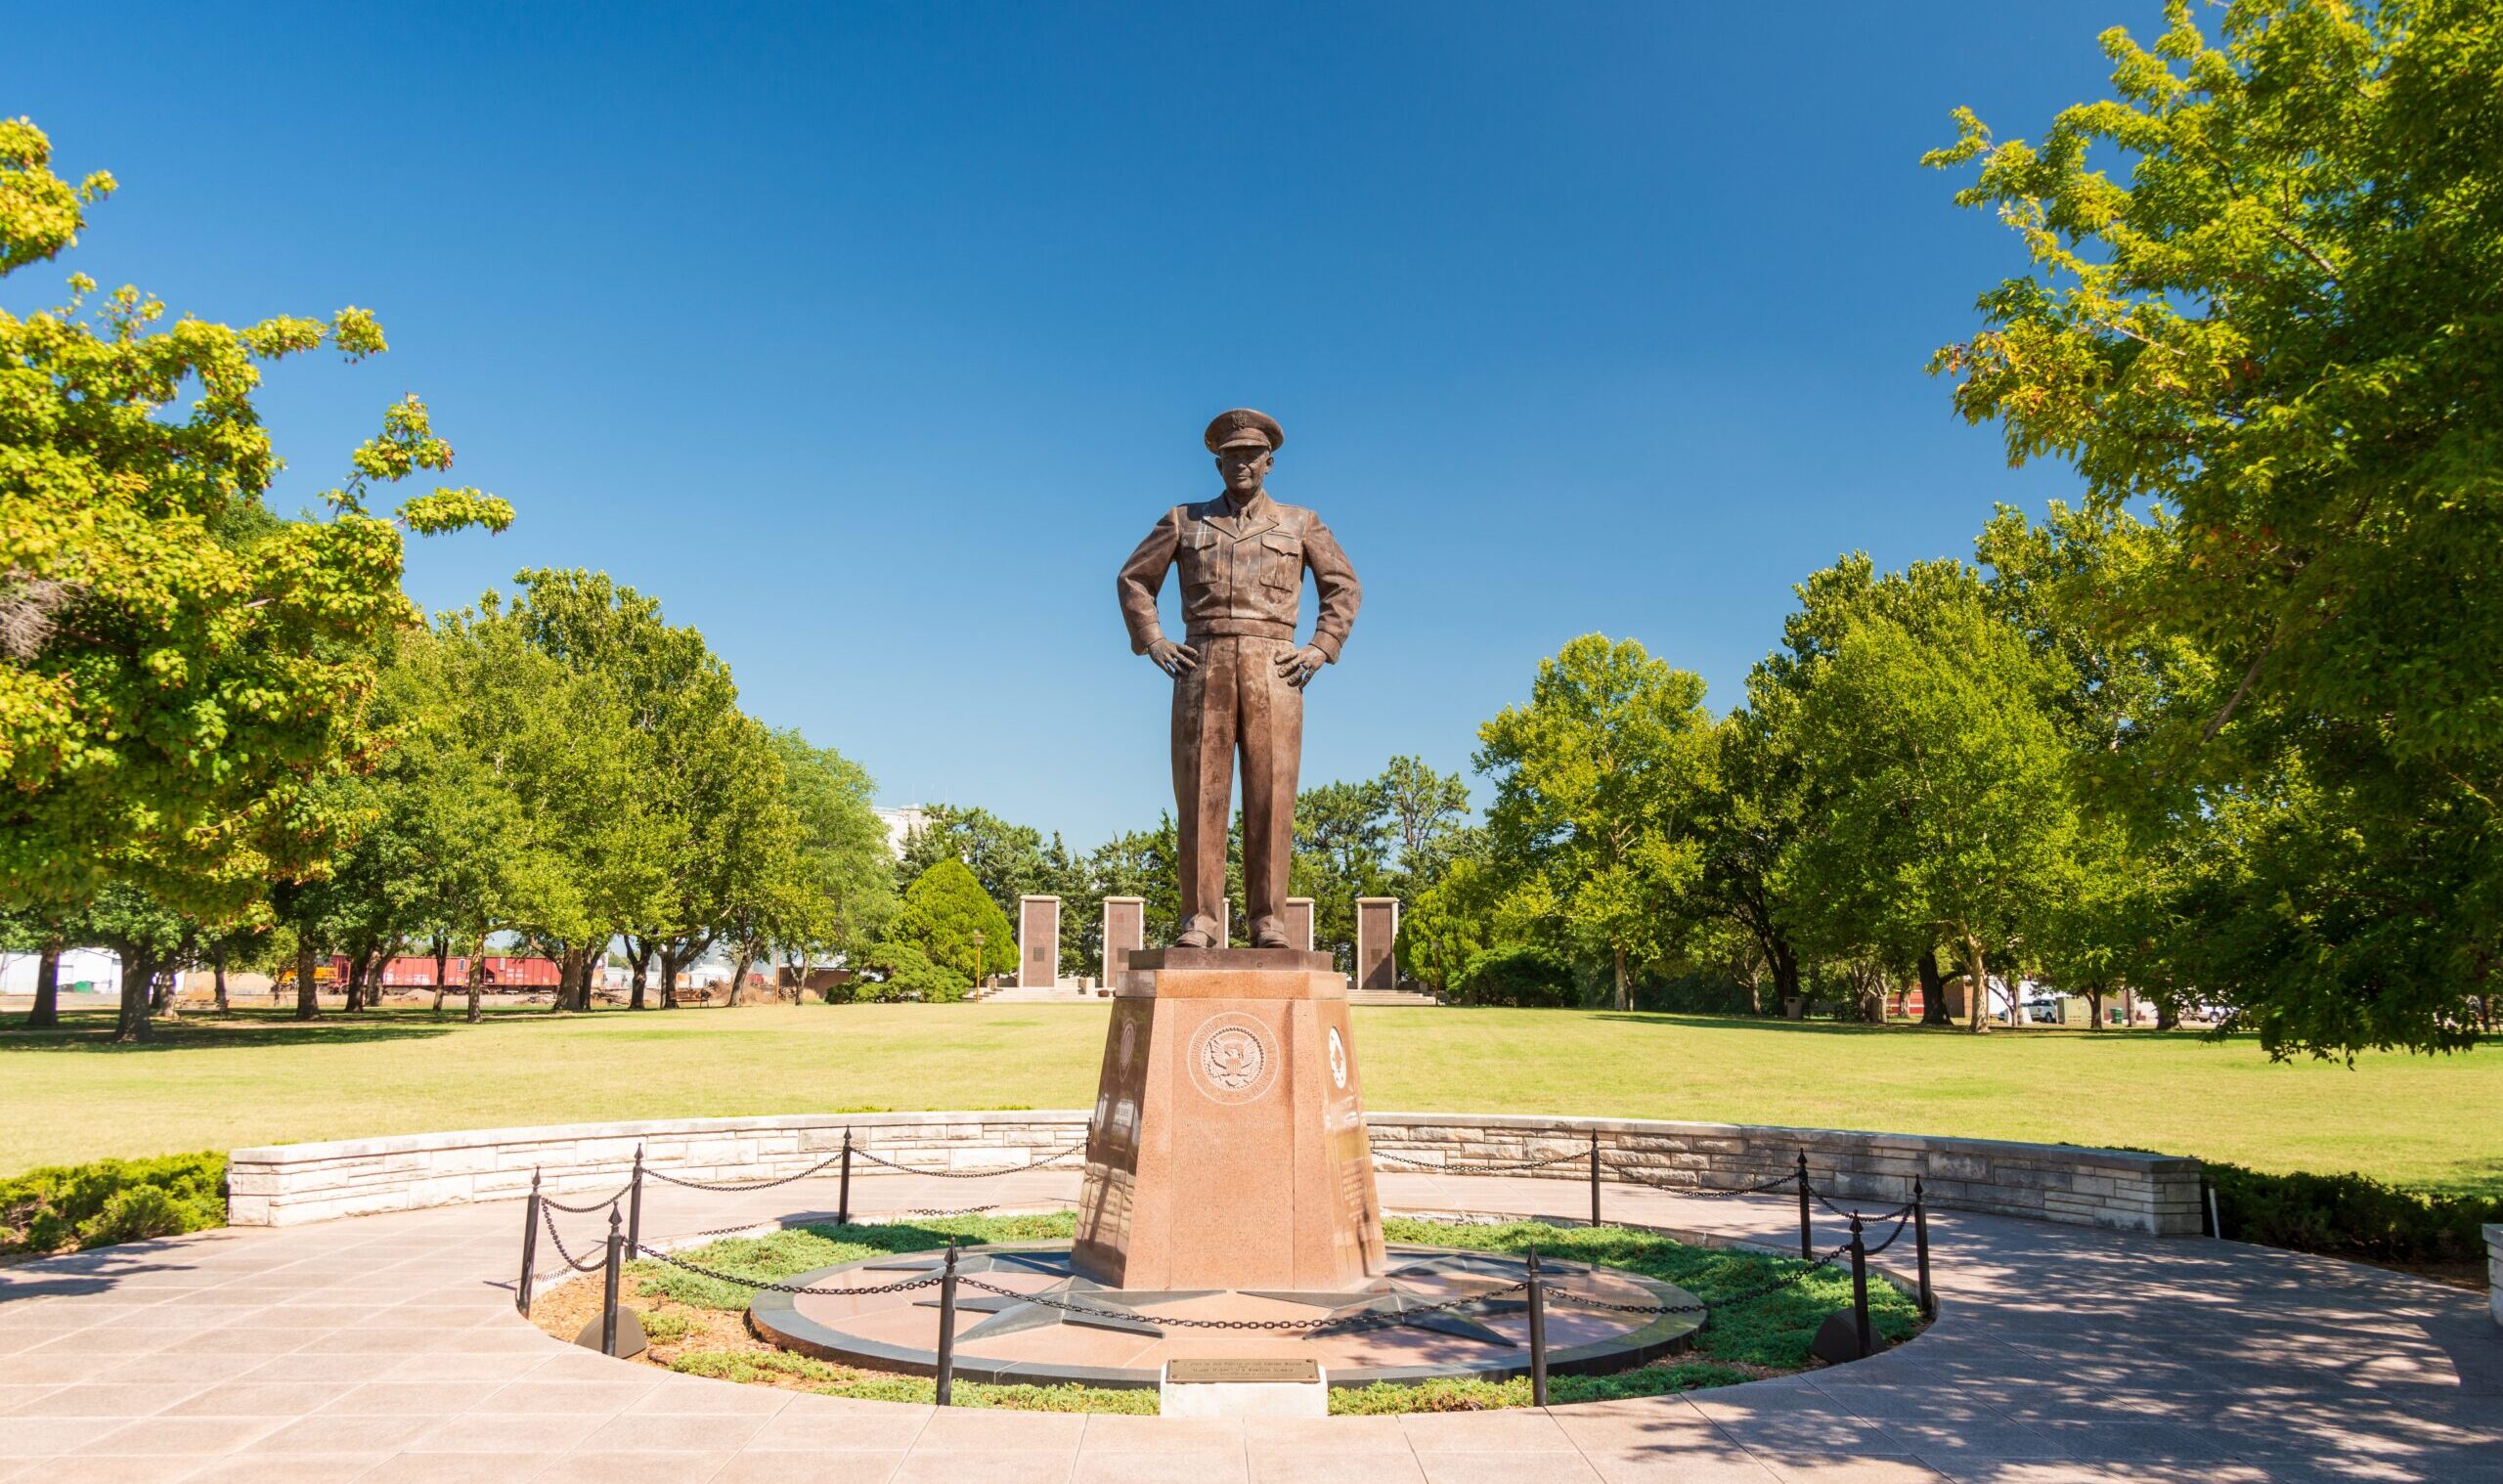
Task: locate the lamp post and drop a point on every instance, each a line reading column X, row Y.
column 977, row 958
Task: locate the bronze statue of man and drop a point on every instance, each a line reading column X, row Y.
column 1238, row 674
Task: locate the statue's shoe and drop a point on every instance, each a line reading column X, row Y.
column 1195, row 939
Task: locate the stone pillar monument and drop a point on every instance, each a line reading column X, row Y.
column 1377, row 929
column 1037, row 942
column 1228, row 1146
column 1124, row 933
column 1300, row 922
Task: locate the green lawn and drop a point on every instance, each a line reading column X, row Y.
column 2413, row 1121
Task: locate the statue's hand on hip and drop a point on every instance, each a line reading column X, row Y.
column 1175, row 660
column 1298, row 668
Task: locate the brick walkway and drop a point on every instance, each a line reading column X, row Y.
column 386, row 1348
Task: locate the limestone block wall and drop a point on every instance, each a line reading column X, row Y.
column 2077, row 1186
column 2494, row 1272
column 285, row 1185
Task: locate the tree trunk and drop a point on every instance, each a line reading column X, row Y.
column 308, row 999
column 1978, row 985
column 669, row 979
column 1933, row 990
column 640, row 959
column 1755, row 991
column 362, row 993
column 217, row 970
column 738, row 971
column 2094, row 1006
column 568, row 976
column 138, row 973
column 2168, row 1014
column 46, row 1014
column 477, row 978
column 1624, row 1001
column 442, row 965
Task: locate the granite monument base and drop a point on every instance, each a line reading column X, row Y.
column 1227, row 1148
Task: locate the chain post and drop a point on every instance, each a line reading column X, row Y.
column 947, row 1330
column 1859, row 1291
column 608, row 1293
column 529, row 1247
column 1595, row 1178
column 1537, row 1333
column 1920, row 1246
column 1806, row 1221
column 635, row 1208
column 843, row 1201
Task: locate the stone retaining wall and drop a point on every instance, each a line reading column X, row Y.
column 2494, row 1272
column 2077, row 1186
column 287, row 1184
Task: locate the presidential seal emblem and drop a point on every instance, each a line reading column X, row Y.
column 1233, row 1058
column 1337, row 1060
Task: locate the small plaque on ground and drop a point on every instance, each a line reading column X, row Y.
column 1217, row 1373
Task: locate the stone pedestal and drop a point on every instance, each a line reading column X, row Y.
column 1229, row 1148
column 1300, row 922
column 1124, row 933
column 1037, row 942
column 1376, row 929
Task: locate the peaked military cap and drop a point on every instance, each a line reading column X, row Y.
column 1242, row 426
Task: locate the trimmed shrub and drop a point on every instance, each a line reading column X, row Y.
column 905, row 973
column 2350, row 1217
column 68, row 1208
column 1520, row 975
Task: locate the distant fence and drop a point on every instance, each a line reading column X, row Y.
column 290, row 1183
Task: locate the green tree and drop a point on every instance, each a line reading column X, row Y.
column 1599, row 783
column 1425, row 806
column 1343, row 845
column 846, row 883
column 185, row 671
column 943, row 910
column 1948, row 813
column 1010, row 861
column 2261, row 277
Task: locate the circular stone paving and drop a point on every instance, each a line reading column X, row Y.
column 1054, row 1327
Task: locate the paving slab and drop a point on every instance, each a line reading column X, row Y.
column 2062, row 1355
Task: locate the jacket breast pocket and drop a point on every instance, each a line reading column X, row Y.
column 1197, row 558
column 1281, row 561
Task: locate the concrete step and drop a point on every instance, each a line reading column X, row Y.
column 1391, row 997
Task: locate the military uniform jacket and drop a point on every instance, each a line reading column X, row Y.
column 1241, row 574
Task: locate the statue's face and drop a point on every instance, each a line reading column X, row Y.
column 1244, row 467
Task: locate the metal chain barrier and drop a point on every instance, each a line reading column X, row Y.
column 736, row 1187
column 1849, row 1214
column 1324, row 1322
column 972, row 1174
column 1567, row 1295
column 584, row 1210
column 1903, row 1219
column 768, row 1286
column 1625, row 1172
column 547, row 1218
column 1576, row 1157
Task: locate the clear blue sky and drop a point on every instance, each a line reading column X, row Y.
column 869, row 338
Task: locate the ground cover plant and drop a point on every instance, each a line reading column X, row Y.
column 66, row 1207
column 2416, row 1122
column 698, row 1325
